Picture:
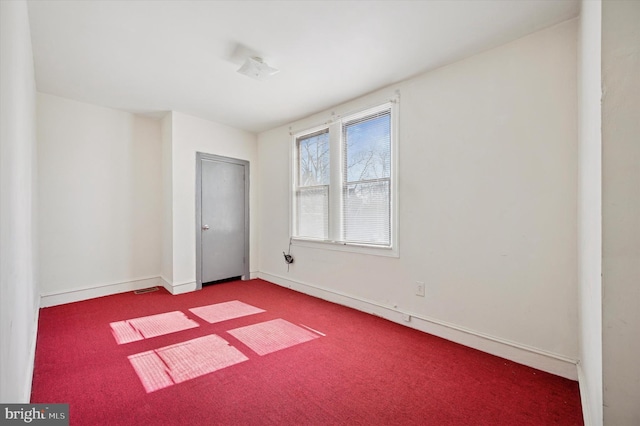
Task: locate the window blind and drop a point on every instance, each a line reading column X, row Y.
column 367, row 179
column 312, row 191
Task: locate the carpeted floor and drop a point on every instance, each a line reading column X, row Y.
column 259, row 354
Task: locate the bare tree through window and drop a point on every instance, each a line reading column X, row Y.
column 313, row 154
column 313, row 185
column 366, row 192
column 362, row 209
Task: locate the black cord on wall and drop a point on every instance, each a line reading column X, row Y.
column 288, row 259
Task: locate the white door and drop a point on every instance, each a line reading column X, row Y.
column 222, row 218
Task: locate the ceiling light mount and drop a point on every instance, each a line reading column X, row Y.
column 256, row 68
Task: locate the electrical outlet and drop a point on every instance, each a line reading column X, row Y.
column 419, row 288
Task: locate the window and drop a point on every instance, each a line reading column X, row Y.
column 344, row 178
column 312, row 195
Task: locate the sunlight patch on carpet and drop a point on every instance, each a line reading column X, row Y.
column 271, row 336
column 150, row 326
column 225, row 311
column 164, row 367
column 124, row 333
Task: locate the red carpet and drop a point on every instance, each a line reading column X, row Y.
column 338, row 366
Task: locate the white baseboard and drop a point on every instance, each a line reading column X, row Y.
column 191, row 285
column 91, row 292
column 165, row 283
column 26, row 398
column 584, row 399
column 180, row 288
column 516, row 352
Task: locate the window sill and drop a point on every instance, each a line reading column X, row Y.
column 346, row 247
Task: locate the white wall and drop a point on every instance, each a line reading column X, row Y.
column 100, row 200
column 590, row 210
column 117, row 197
column 166, row 264
column 18, row 247
column 488, row 206
column 621, row 211
column 191, row 135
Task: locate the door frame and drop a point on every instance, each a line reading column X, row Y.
column 200, row 156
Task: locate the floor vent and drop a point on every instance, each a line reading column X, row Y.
column 146, row 290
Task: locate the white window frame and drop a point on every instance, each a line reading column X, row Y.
column 334, row 124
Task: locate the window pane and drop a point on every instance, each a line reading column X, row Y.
column 313, row 157
column 367, row 212
column 313, row 212
column 368, row 147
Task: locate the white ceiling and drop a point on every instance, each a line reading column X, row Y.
column 155, row 56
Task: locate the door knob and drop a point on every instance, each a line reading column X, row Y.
column 205, row 227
